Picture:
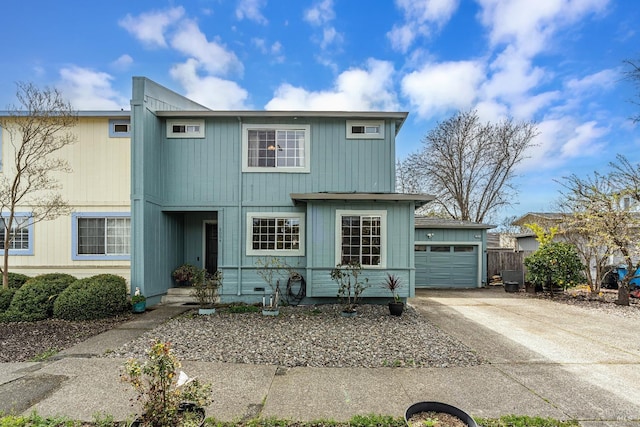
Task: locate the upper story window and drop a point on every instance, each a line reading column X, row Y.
column 361, row 237
column 185, row 129
column 365, row 129
column 101, row 236
column 119, row 128
column 275, row 148
column 20, row 234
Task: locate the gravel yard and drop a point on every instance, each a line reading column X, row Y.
column 300, row 336
column 309, row 336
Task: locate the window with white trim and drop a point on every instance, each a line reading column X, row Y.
column 361, row 237
column 281, row 148
column 185, row 128
column 119, row 128
column 273, row 233
column 101, row 236
column 20, row 234
column 365, row 129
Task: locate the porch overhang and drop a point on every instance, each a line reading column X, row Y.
column 418, row 199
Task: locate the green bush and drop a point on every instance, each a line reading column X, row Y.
column 555, row 263
column 6, row 295
column 16, row 280
column 34, row 300
column 96, row 297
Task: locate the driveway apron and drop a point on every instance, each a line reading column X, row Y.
column 583, row 362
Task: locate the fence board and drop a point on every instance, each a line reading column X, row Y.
column 500, row 260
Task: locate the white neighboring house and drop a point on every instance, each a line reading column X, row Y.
column 95, row 237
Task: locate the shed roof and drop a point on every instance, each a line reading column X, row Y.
column 418, row 199
column 434, row 222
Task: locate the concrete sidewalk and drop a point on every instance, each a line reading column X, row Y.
column 543, row 362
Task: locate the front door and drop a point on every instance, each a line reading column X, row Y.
column 211, row 247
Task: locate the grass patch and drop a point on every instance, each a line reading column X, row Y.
column 524, row 421
column 41, row 357
column 105, row 420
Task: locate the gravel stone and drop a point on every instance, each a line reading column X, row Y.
column 314, row 336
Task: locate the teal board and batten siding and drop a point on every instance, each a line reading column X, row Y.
column 450, row 258
column 321, row 258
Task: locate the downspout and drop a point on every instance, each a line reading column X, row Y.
column 240, row 225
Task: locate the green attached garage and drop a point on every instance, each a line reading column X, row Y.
column 449, row 253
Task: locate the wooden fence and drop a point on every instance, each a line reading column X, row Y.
column 500, row 260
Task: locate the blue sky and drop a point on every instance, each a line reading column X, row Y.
column 555, row 62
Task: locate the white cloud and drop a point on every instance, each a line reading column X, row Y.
column 213, row 56
column 584, row 140
column 150, row 27
column 123, row 62
column 440, row 87
column 90, row 90
column 356, row 89
column 528, row 25
column 250, row 9
column 320, row 13
column 419, row 18
column 604, row 79
column 210, row 91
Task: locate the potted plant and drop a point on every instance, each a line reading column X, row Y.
column 205, row 287
column 350, row 286
column 393, row 283
column 168, row 396
column 138, row 302
column 185, row 274
column 269, row 269
column 436, row 414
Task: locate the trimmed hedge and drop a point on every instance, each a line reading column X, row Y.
column 96, row 297
column 6, row 295
column 34, row 300
column 16, row 280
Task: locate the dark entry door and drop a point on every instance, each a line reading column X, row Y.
column 211, row 247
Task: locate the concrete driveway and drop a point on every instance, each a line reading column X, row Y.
column 587, row 363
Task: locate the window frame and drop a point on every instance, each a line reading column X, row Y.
column 76, row 256
column 116, row 122
column 275, row 169
column 22, row 252
column 300, row 216
column 383, row 234
column 184, row 122
column 365, row 123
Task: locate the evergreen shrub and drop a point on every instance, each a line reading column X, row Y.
column 34, row 300
column 95, row 297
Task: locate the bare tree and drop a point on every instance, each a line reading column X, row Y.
column 632, row 73
column 469, row 165
column 610, row 227
column 37, row 130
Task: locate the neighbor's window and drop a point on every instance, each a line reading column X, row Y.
column 185, row 129
column 282, row 148
column 367, row 129
column 20, row 234
column 120, row 128
column 102, row 237
column 362, row 238
column 271, row 233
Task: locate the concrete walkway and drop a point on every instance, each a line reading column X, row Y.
column 543, row 361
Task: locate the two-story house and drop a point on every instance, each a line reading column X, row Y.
column 95, row 237
column 223, row 188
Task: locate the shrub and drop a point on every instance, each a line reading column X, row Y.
column 555, row 263
column 34, row 300
column 16, row 280
column 6, row 295
column 96, row 297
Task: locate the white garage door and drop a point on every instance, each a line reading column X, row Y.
column 446, row 265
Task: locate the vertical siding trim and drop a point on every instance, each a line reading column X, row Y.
column 240, row 222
